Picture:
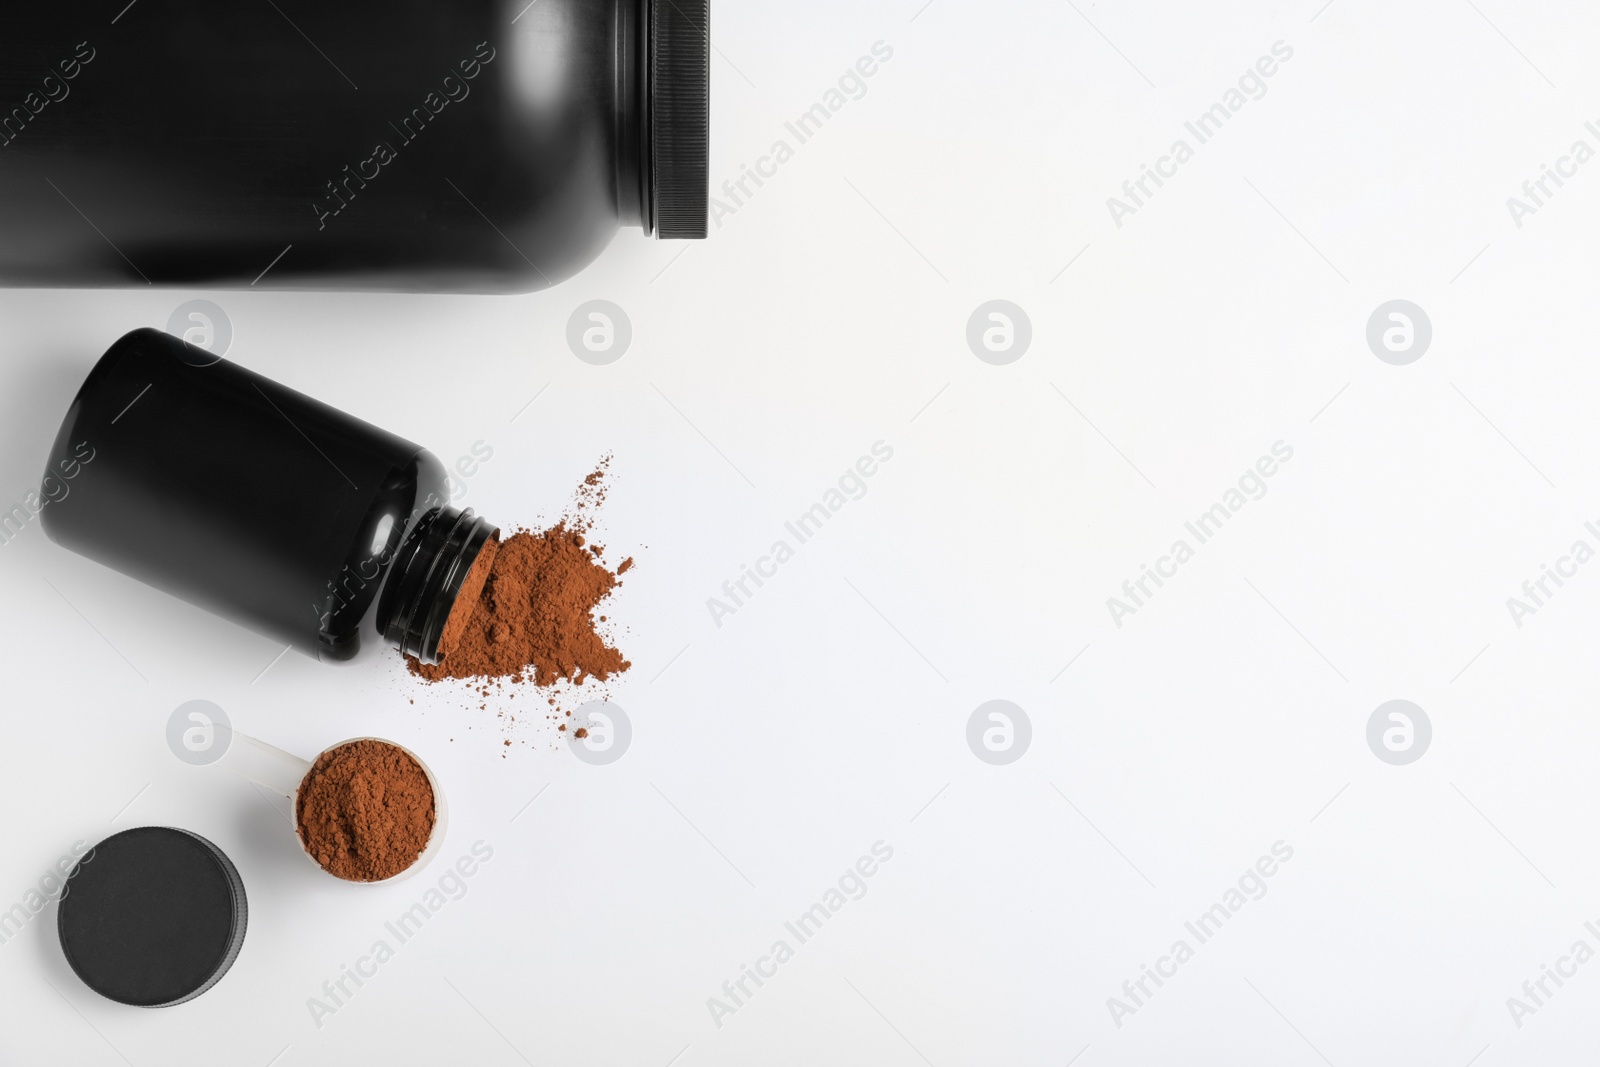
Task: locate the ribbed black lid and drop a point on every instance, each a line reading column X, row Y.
column 152, row 916
column 680, row 104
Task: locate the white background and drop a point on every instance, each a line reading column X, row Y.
column 829, row 312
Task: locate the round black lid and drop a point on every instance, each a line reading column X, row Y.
column 680, row 104
column 152, row 916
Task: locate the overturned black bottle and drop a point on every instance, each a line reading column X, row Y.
column 466, row 146
column 258, row 503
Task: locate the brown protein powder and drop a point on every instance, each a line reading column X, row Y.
column 365, row 811
column 455, row 624
column 534, row 621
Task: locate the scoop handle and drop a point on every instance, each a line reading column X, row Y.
column 266, row 765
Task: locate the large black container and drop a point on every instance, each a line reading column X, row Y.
column 256, row 502
column 415, row 145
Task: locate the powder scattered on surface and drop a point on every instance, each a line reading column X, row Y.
column 534, row 624
column 365, row 811
column 535, row 620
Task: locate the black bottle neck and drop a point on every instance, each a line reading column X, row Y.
column 426, row 577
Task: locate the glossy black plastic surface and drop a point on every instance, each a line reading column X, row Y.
column 235, row 493
column 415, row 145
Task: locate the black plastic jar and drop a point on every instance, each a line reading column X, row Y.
column 413, row 145
column 258, row 503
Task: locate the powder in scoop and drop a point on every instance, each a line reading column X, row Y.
column 365, row 811
column 534, row 621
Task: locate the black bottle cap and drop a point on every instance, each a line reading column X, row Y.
column 152, row 916
column 680, row 105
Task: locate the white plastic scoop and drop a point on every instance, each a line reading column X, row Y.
column 283, row 773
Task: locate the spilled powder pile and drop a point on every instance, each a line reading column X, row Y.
column 534, row 623
column 365, row 811
column 535, row 619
